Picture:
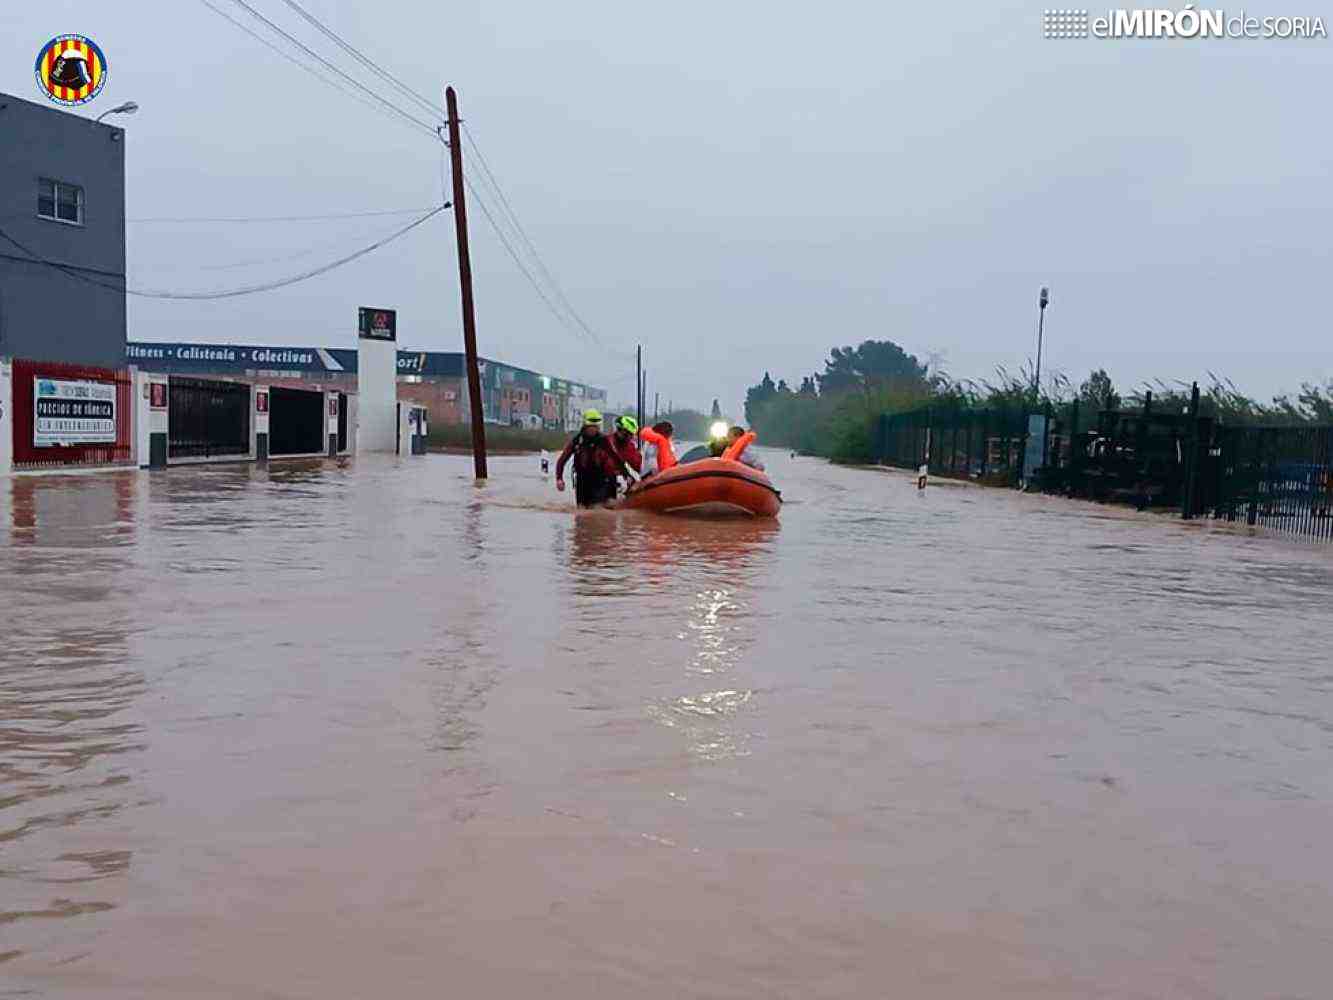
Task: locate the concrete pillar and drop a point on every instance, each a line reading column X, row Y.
column 150, row 420
column 6, row 451
column 331, row 424
column 260, row 410
column 406, row 419
column 6, row 419
column 377, row 391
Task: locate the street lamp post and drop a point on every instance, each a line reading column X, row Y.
column 128, row 108
column 1042, row 302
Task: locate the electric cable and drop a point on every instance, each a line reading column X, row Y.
column 523, row 235
column 290, row 58
column 336, row 69
column 282, row 218
column 231, row 292
column 365, row 60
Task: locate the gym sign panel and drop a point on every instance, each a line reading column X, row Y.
column 67, row 413
column 377, row 324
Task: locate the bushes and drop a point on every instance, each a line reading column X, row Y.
column 498, row 439
column 839, row 426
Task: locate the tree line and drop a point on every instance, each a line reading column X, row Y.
column 832, row 413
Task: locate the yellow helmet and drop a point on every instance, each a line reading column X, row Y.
column 592, row 416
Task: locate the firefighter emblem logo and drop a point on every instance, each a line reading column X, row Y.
column 71, row 70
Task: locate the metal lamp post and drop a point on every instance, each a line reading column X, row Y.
column 128, row 108
column 1043, row 300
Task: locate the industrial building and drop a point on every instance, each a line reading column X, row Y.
column 74, row 392
column 62, row 202
column 511, row 396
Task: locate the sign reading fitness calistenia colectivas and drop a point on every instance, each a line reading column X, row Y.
column 73, row 412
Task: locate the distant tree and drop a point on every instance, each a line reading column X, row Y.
column 757, row 395
column 874, row 364
column 717, row 411
column 1098, row 392
column 783, row 388
column 808, row 387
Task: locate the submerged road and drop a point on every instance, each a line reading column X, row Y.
column 372, row 731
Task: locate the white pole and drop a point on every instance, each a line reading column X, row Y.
column 6, row 419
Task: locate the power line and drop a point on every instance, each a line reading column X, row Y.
column 231, row 292
column 289, row 57
column 284, row 218
column 366, row 61
column 283, row 258
column 580, row 328
column 350, row 79
column 504, row 241
column 434, row 108
column 513, row 219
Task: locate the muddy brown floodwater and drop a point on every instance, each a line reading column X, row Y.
column 371, row 731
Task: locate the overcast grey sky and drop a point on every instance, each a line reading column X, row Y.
column 740, row 186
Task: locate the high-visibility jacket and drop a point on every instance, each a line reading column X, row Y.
column 666, row 456
column 737, row 448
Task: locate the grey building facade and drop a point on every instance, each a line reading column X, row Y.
column 62, row 200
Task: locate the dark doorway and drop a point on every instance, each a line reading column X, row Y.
column 296, row 422
column 342, row 421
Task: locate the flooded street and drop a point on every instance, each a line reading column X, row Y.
column 372, row 731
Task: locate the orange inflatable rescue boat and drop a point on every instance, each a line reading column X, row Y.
column 706, row 486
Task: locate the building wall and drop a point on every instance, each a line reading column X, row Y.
column 434, row 380
column 445, row 399
column 45, row 313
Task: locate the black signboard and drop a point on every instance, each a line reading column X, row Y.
column 377, row 324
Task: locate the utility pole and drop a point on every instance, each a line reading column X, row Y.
column 638, row 383
column 657, row 402
column 465, row 285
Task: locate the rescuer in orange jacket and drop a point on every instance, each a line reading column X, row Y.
column 735, row 447
column 659, row 437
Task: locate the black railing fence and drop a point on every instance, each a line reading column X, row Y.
column 207, row 418
column 1276, row 477
column 982, row 444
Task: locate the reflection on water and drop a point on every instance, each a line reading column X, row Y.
column 69, row 730
column 361, row 728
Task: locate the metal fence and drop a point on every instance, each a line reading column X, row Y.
column 1275, row 477
column 207, row 418
column 982, row 444
column 37, row 437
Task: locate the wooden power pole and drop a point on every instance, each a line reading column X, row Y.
column 465, row 285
